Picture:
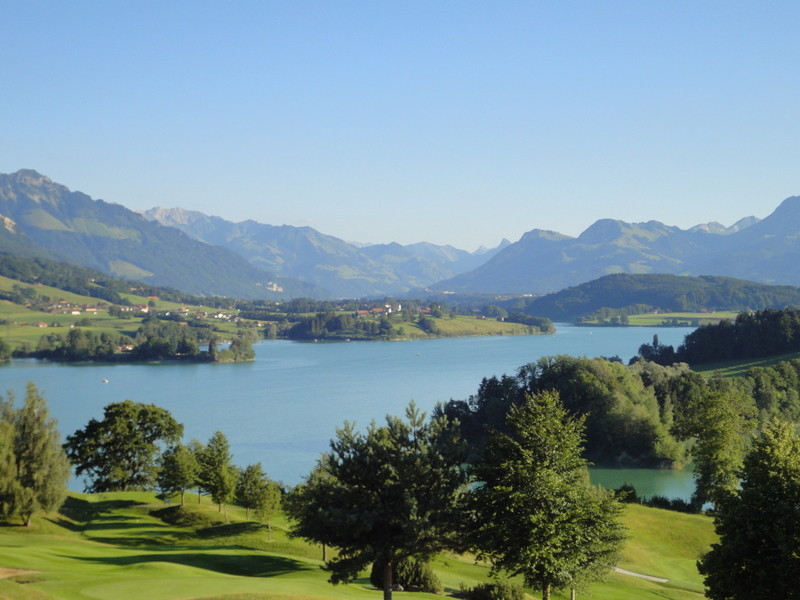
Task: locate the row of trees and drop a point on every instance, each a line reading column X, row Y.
column 402, row 491
column 33, row 467
column 137, row 447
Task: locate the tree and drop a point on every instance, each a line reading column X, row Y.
column 718, row 419
column 35, row 473
column 118, row 453
column 383, row 495
column 758, row 553
column 178, row 470
column 217, row 475
column 532, row 511
column 268, row 504
column 250, row 487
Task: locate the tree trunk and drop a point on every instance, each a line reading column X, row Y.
column 269, row 530
column 546, row 592
column 198, row 495
column 182, row 497
column 572, row 594
column 324, row 553
column 387, row 580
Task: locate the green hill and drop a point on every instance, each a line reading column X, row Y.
column 131, row 545
column 631, row 294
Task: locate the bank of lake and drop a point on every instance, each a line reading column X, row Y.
column 284, row 407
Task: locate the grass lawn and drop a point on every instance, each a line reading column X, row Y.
column 132, row 546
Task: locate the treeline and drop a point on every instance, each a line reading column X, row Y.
column 137, row 447
column 672, row 293
column 631, row 411
column 751, row 335
column 333, row 326
column 155, row 339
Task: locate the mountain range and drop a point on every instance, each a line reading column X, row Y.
column 765, row 251
column 345, row 269
column 40, row 218
column 207, row 255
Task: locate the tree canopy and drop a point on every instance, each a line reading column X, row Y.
column 118, row 453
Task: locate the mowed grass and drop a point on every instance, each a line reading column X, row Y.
column 133, row 546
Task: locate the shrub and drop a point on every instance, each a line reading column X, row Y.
column 499, row 590
column 411, row 573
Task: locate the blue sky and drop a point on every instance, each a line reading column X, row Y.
column 451, row 122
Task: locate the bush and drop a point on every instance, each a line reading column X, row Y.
column 499, row 590
column 411, row 573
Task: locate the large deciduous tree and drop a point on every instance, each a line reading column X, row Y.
column 758, row 553
column 34, row 469
column 532, row 511
column 118, row 453
column 384, row 495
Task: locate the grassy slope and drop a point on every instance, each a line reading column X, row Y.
column 735, row 368
column 110, row 546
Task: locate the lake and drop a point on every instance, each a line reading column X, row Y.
column 284, row 407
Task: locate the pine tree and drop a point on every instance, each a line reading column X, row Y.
column 217, row 474
column 41, row 469
column 532, row 511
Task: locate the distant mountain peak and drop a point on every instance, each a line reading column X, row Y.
column 544, row 234
column 717, row 228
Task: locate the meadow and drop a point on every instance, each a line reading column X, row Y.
column 133, row 546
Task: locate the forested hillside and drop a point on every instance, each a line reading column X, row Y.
column 623, row 294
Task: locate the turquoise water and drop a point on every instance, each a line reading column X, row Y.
column 282, row 409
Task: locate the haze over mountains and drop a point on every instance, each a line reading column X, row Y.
column 207, row 255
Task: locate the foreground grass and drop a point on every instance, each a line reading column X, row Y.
column 110, row 546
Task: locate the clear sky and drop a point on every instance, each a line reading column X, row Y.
column 451, row 122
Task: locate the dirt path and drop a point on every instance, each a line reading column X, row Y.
column 11, row 572
column 640, row 576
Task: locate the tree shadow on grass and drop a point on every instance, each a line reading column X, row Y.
column 84, row 511
column 231, row 529
column 244, row 565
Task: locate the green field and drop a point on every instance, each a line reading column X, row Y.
column 657, row 320
column 110, row 546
